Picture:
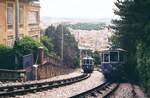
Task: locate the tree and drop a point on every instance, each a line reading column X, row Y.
column 47, row 42
column 133, row 34
column 71, row 52
column 97, row 58
column 125, row 33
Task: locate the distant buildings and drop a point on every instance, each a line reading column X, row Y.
column 93, row 40
column 29, row 20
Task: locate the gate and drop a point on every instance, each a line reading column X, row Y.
column 27, row 65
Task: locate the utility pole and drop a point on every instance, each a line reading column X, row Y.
column 62, row 44
column 81, row 58
column 80, row 50
column 17, row 21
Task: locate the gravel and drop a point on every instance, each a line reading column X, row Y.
column 70, row 75
column 139, row 92
column 69, row 90
column 125, row 90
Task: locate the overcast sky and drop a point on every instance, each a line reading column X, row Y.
column 77, row 8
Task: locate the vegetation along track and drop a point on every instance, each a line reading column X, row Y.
column 104, row 90
column 24, row 88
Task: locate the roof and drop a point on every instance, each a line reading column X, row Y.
column 114, row 49
column 88, row 57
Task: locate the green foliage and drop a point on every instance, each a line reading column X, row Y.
column 143, row 65
column 126, row 35
column 97, row 58
column 7, row 57
column 87, row 26
column 47, row 42
column 71, row 52
column 133, row 34
column 26, row 46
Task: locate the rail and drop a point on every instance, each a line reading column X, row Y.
column 11, row 90
column 104, row 90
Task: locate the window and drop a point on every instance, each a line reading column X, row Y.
column 106, row 57
column 21, row 16
column 33, row 17
column 35, row 37
column 113, row 56
column 87, row 61
column 84, row 61
column 91, row 61
column 121, row 56
column 102, row 57
column 10, row 15
column 10, row 41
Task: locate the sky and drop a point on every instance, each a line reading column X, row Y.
column 77, row 8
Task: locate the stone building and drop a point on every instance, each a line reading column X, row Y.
column 28, row 20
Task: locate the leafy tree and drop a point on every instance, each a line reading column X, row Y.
column 133, row 34
column 47, row 42
column 97, row 58
column 125, row 34
column 71, row 52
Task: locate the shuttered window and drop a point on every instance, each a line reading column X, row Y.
column 10, row 15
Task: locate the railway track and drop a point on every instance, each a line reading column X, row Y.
column 21, row 89
column 104, row 90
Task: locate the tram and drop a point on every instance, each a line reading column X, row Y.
column 87, row 64
column 113, row 62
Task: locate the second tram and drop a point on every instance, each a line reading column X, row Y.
column 87, row 64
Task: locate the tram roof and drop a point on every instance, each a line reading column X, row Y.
column 88, row 57
column 113, row 49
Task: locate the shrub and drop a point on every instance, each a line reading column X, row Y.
column 143, row 65
column 26, row 46
column 47, row 42
column 7, row 57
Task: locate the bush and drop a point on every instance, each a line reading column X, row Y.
column 7, row 57
column 26, row 46
column 143, row 65
column 97, row 58
column 47, row 42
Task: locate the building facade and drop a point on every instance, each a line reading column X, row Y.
column 95, row 40
column 29, row 20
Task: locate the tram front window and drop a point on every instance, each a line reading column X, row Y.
column 87, row 61
column 106, row 58
column 90, row 61
column 113, row 56
column 121, row 56
column 84, row 61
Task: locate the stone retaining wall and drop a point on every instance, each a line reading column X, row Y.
column 52, row 68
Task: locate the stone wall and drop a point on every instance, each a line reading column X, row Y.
column 52, row 68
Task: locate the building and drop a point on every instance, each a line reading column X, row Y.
column 28, row 20
column 95, row 40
